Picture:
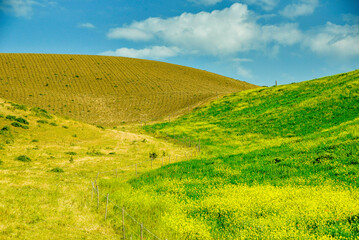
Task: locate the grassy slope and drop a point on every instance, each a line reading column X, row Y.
column 279, row 162
column 36, row 203
column 108, row 90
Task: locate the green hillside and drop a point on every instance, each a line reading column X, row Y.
column 276, row 163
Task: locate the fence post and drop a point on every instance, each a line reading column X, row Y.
column 151, row 162
column 136, row 169
column 106, row 207
column 98, row 197
column 162, row 161
column 92, row 190
column 199, row 145
column 141, row 231
column 123, row 223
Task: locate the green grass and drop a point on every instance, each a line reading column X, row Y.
column 279, row 162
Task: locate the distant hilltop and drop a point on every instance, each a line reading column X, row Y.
column 108, row 90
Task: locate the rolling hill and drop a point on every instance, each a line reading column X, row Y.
column 277, row 163
column 108, row 90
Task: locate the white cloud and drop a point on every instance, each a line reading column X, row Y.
column 332, row 39
column 221, row 32
column 155, row 52
column 302, row 8
column 206, row 2
column 264, row 4
column 20, row 8
column 86, row 25
column 129, row 33
column 244, row 73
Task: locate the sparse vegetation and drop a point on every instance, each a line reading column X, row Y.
column 19, row 106
column 22, row 120
column 16, row 124
column 71, row 153
column 42, row 121
column 153, row 155
column 57, row 170
column 23, row 158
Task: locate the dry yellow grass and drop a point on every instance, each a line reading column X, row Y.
column 108, row 90
column 37, row 203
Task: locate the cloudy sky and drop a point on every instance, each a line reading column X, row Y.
column 259, row 41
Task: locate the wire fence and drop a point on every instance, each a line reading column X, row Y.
column 119, row 213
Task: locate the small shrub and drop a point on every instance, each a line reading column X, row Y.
column 57, row 170
column 101, row 127
column 23, row 158
column 10, row 117
column 74, row 135
column 21, row 120
column 19, row 106
column 5, row 129
column 16, row 124
column 112, row 153
column 42, row 121
column 71, row 159
column 1, row 162
column 53, row 124
column 41, row 113
column 1, row 116
column 153, row 155
column 94, row 152
column 35, row 140
column 71, row 153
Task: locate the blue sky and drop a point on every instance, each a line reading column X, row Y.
column 258, row 41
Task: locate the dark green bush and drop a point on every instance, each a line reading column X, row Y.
column 53, row 124
column 10, row 117
column 5, row 129
column 21, row 120
column 16, row 124
column 153, row 155
column 23, row 158
column 57, row 170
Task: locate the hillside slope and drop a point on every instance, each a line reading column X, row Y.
column 108, row 90
column 277, row 163
column 46, row 165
